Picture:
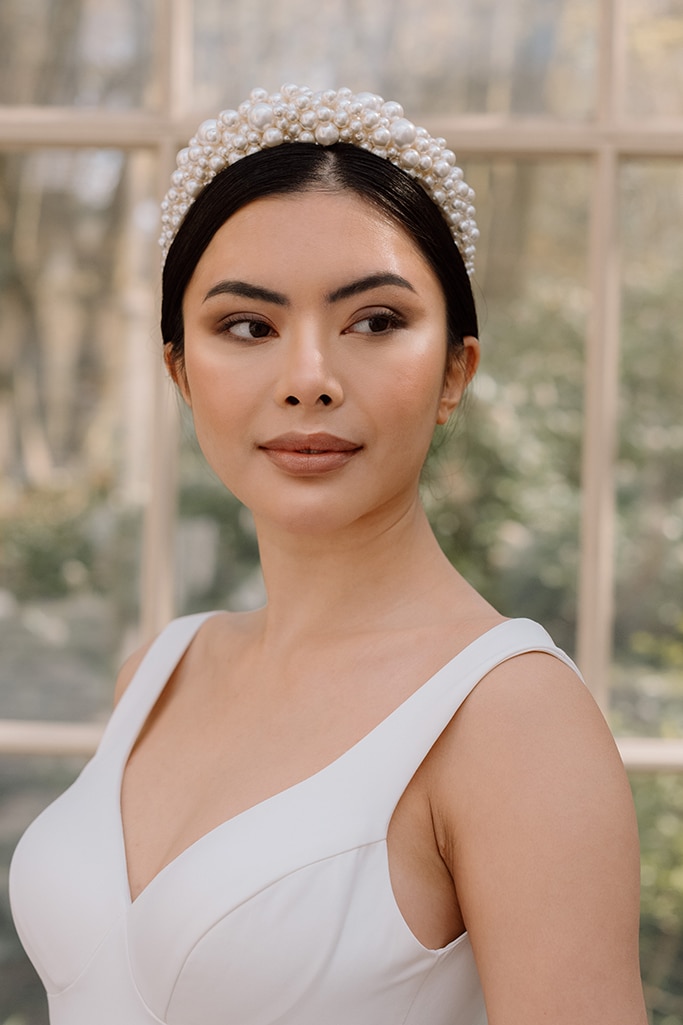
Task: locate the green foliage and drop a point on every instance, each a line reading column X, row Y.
column 46, row 533
column 502, row 491
column 659, row 804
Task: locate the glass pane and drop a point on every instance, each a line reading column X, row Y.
column 77, row 52
column 216, row 553
column 654, row 56
column 505, row 493
column 648, row 671
column 527, row 57
column 27, row 785
column 659, row 803
column 76, row 360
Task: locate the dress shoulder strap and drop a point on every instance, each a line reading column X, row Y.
column 150, row 678
column 391, row 753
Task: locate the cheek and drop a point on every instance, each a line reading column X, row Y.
column 218, row 410
column 418, row 384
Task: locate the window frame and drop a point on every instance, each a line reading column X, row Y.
column 607, row 140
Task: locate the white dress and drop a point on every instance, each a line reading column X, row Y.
column 283, row 915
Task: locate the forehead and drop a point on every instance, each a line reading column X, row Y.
column 313, row 235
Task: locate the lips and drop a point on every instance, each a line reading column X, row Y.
column 309, row 454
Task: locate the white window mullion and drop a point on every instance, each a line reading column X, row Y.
column 596, row 571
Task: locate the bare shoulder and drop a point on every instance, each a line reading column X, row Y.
column 128, row 671
column 218, row 631
column 536, row 824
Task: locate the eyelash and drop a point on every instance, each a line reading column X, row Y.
column 231, row 322
column 394, row 321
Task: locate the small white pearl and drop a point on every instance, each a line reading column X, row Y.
column 369, row 100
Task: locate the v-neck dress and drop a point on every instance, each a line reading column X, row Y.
column 283, row 915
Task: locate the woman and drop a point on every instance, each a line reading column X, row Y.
column 284, row 822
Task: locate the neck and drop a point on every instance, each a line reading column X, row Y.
column 321, row 585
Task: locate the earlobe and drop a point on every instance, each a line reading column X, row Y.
column 176, row 372
column 459, row 374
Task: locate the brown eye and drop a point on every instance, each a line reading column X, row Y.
column 247, row 328
column 379, row 323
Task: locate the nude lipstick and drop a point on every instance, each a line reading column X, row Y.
column 307, row 455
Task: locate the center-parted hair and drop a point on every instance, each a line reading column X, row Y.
column 306, row 167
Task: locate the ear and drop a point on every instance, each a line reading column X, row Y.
column 177, row 373
column 459, row 373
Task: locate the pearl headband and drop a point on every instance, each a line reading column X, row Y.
column 297, row 114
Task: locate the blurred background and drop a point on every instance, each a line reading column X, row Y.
column 558, row 492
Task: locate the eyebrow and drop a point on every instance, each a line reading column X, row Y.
column 365, row 284
column 247, row 291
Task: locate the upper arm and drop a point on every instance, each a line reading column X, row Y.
column 541, row 839
column 128, row 671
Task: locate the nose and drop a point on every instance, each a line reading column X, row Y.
column 307, row 376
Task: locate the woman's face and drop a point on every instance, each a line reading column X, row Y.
column 315, row 361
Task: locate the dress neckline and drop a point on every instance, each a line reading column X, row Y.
column 400, row 710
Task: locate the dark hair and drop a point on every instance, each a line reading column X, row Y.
column 303, row 167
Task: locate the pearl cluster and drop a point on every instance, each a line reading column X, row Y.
column 297, row 114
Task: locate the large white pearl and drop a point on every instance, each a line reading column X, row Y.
column 272, row 137
column 410, row 158
column 261, row 115
column 391, row 109
column 207, row 131
column 327, row 135
column 403, row 132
